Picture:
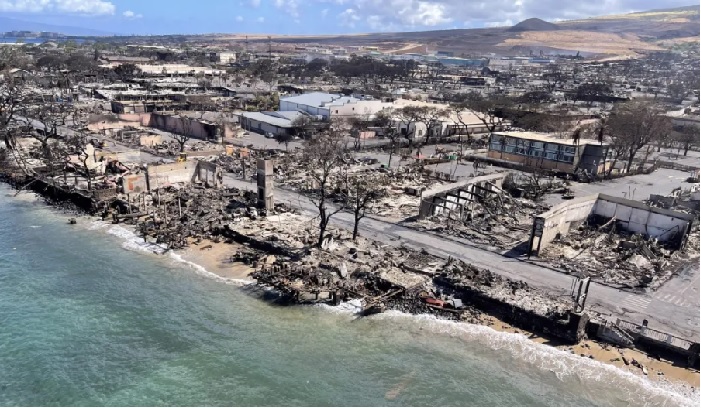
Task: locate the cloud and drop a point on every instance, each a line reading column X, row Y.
column 291, row 7
column 91, row 7
column 260, row 19
column 324, row 13
column 418, row 14
column 131, row 15
column 348, row 18
column 255, row 3
column 239, row 19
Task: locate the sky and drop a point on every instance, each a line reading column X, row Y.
column 308, row 16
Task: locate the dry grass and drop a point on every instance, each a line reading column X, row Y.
column 585, row 41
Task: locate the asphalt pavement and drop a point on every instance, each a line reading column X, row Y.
column 674, row 316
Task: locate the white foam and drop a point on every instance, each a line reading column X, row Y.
column 200, row 270
column 352, row 307
column 563, row 364
column 134, row 242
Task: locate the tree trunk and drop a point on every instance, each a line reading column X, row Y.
column 357, row 219
column 391, row 150
column 631, row 156
column 613, row 165
column 323, row 222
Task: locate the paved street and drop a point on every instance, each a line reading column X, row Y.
column 673, row 316
column 673, row 308
column 638, row 187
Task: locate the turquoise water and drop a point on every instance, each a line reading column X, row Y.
column 87, row 321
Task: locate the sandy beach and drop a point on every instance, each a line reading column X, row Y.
column 657, row 369
column 215, row 257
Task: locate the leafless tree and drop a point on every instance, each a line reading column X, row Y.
column 687, row 137
column 322, row 157
column 635, row 124
column 187, row 126
column 357, row 125
column 45, row 119
column 384, row 120
column 359, row 192
column 79, row 143
column 12, row 94
column 487, row 110
column 456, row 111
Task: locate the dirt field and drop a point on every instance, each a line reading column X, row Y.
column 585, row 41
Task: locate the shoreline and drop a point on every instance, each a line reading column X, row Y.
column 214, row 260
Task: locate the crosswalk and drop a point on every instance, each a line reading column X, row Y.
column 677, row 300
column 635, row 303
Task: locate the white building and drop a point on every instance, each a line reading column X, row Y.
column 328, row 106
column 226, row 57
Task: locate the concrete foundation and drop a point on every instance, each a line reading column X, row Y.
column 629, row 215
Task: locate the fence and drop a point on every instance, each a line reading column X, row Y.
column 654, row 334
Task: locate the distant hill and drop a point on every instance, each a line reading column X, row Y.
column 611, row 35
column 11, row 24
column 534, row 24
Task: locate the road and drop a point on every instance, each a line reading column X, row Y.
column 637, row 187
column 674, row 308
column 672, row 315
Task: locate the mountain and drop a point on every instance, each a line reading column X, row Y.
column 534, row 24
column 612, row 35
column 11, row 24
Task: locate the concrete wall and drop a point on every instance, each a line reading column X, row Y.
column 134, row 183
column 160, row 175
column 150, row 140
column 359, row 108
column 123, row 120
column 126, row 156
column 143, row 118
column 208, row 173
column 184, row 125
column 642, row 219
column 560, row 218
column 633, row 216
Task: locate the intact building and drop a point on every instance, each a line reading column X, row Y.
column 543, row 151
column 328, row 105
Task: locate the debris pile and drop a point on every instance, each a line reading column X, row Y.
column 611, row 256
column 501, row 221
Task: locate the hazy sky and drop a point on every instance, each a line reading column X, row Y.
column 308, row 16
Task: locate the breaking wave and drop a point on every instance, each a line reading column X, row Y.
column 634, row 389
column 202, row 271
column 352, row 307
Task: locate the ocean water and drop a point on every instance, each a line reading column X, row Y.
column 88, row 316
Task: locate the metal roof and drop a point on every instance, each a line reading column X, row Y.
column 320, row 99
column 281, row 119
column 548, row 138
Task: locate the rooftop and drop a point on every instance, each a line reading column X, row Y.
column 547, row 137
column 320, row 99
column 281, row 119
